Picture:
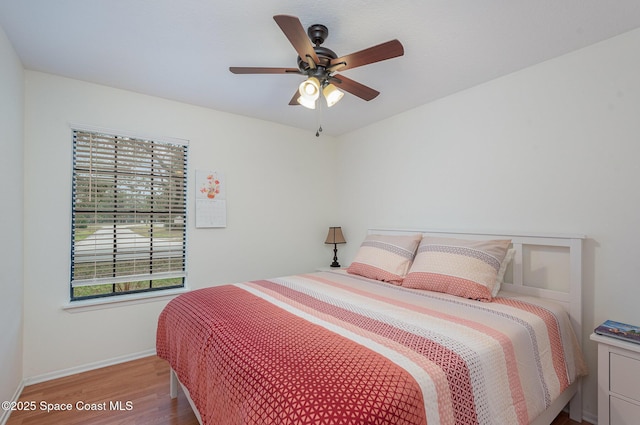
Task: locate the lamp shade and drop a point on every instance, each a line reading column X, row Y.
column 335, row 236
column 332, row 95
column 310, row 88
column 307, row 103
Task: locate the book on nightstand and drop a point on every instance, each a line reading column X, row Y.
column 619, row 330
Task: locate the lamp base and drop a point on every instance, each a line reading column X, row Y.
column 335, row 256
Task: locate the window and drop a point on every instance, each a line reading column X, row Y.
column 128, row 231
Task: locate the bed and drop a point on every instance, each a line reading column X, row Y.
column 355, row 346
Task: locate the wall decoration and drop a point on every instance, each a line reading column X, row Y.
column 211, row 202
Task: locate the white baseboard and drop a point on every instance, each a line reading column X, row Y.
column 590, row 417
column 86, row 367
column 4, row 414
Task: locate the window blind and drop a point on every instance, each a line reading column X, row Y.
column 129, row 214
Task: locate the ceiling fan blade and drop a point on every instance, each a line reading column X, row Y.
column 258, row 70
column 354, row 87
column 381, row 52
column 294, row 99
column 293, row 29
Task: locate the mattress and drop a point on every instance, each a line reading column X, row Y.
column 335, row 348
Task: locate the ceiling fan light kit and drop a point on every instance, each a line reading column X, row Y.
column 309, row 91
column 320, row 64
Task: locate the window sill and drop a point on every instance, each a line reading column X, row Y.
column 122, row 300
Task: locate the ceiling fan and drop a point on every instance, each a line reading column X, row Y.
column 320, row 64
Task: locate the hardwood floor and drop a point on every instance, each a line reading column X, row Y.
column 142, row 387
column 143, row 382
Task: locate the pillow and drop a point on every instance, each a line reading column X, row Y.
column 385, row 257
column 503, row 268
column 464, row 268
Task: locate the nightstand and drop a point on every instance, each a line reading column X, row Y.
column 618, row 381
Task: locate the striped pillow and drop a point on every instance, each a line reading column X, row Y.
column 385, row 257
column 458, row 267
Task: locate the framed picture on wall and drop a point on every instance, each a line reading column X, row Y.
column 211, row 203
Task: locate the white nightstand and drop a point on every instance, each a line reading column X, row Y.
column 618, row 381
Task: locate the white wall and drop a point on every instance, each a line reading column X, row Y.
column 280, row 198
column 552, row 148
column 11, row 166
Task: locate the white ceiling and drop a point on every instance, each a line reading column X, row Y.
column 182, row 50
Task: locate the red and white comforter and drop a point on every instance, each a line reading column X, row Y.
column 333, row 348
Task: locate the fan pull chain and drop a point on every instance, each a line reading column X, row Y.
column 319, row 117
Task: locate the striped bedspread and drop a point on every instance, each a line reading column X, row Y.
column 333, row 348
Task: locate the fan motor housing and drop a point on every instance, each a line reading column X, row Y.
column 317, row 33
column 324, row 54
